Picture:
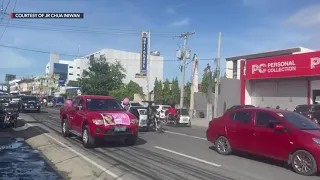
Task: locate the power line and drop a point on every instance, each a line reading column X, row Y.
column 4, row 12
column 8, row 22
column 73, row 55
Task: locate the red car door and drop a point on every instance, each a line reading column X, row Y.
column 79, row 116
column 239, row 130
column 73, row 112
column 269, row 142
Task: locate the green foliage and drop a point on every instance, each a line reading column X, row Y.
column 102, row 77
column 175, row 91
column 127, row 91
column 205, row 82
column 187, row 93
column 73, row 83
column 166, row 92
column 158, row 90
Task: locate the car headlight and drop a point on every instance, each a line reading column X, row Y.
column 134, row 121
column 25, row 104
column 316, row 140
column 98, row 121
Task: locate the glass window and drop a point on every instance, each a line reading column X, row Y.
column 235, row 69
column 299, row 122
column 303, row 108
column 76, row 102
column 70, row 67
column 265, row 119
column 135, row 104
column 29, row 98
column 78, row 67
column 70, row 73
column 78, row 74
column 243, row 117
column 103, row 105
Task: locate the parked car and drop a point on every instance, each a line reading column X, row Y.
column 98, row 118
column 274, row 133
column 183, row 117
column 239, row 107
column 30, row 103
column 311, row 111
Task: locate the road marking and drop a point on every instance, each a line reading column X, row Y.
column 180, row 134
column 79, row 154
column 187, row 156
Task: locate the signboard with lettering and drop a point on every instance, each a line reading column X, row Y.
column 144, row 52
column 296, row 65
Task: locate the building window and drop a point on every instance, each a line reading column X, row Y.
column 70, row 67
column 78, row 67
column 78, row 74
column 71, row 74
column 235, row 69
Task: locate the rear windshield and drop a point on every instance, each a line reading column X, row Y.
column 103, row 105
column 29, row 98
column 303, row 108
column 136, row 104
column 300, row 122
column 183, row 112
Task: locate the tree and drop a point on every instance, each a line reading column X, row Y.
column 102, row 77
column 166, row 92
column 205, row 82
column 73, row 83
column 158, row 91
column 127, row 91
column 187, row 93
column 175, row 91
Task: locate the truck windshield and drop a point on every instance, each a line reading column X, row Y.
column 29, row 98
column 103, row 105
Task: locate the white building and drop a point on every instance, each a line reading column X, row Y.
column 129, row 60
column 14, row 86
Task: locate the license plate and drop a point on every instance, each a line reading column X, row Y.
column 143, row 122
column 120, row 128
column 31, row 106
column 185, row 119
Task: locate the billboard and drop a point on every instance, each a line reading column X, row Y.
column 144, row 52
column 10, row 77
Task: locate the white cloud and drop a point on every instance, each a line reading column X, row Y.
column 181, row 22
column 173, row 9
column 308, row 17
column 12, row 59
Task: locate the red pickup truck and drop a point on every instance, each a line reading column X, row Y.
column 98, row 118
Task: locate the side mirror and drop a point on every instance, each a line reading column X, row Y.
column 279, row 128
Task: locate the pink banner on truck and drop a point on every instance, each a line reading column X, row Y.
column 119, row 118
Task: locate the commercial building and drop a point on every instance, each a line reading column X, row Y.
column 284, row 78
column 130, row 61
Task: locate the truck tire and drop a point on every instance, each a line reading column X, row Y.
column 88, row 140
column 65, row 128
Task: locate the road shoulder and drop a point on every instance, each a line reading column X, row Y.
column 69, row 163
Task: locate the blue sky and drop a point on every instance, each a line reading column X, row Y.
column 247, row 26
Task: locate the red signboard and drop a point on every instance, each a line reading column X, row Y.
column 296, row 65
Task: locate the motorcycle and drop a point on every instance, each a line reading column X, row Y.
column 10, row 114
column 157, row 122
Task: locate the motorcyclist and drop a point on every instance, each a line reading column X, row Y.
column 126, row 103
column 172, row 112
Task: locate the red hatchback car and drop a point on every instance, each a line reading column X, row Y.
column 274, row 133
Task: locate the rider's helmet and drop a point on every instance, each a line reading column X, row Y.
column 69, row 103
column 125, row 101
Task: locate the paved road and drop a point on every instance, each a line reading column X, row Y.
column 180, row 153
column 20, row 161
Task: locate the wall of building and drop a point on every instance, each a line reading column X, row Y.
column 229, row 94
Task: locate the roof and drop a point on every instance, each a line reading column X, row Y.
column 95, row 97
column 282, row 52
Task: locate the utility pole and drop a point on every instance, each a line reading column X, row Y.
column 216, row 89
column 185, row 37
column 194, row 84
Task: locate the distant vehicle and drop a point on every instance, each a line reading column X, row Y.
column 273, row 133
column 239, row 107
column 141, row 113
column 9, row 111
column 183, row 117
column 58, row 101
column 30, row 103
column 98, row 118
column 311, row 111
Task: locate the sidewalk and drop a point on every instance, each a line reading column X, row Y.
column 201, row 122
